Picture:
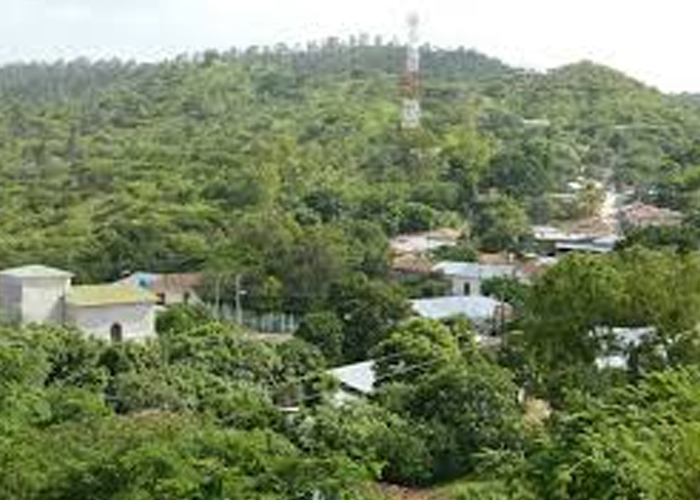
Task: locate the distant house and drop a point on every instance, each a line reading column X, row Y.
column 410, row 264
column 617, row 343
column 640, row 215
column 43, row 295
column 356, row 380
column 485, row 313
column 170, row 289
column 422, row 243
column 600, row 245
column 467, row 277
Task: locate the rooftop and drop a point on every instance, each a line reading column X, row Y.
column 425, row 242
column 475, row 308
column 108, row 295
column 36, row 271
column 359, row 377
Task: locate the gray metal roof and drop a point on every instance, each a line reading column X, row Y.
column 35, row 271
column 475, row 308
column 359, row 377
column 474, row 270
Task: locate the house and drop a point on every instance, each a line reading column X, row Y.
column 422, row 243
column 410, row 264
column 601, row 245
column 640, row 215
column 111, row 312
column 617, row 342
column 483, row 312
column 467, row 277
column 43, row 295
column 356, row 380
column 170, row 289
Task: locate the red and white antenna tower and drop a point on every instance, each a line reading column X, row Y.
column 410, row 118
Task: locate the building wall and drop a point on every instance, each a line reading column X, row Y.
column 43, row 300
column 137, row 320
column 459, row 286
column 10, row 299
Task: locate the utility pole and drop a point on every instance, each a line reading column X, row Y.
column 239, row 307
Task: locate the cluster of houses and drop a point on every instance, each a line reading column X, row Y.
column 126, row 310
column 116, row 312
column 465, row 297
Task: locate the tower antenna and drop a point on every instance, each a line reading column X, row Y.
column 411, row 115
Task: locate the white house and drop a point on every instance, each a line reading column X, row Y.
column 43, row 295
column 617, row 343
column 467, row 277
column 111, row 312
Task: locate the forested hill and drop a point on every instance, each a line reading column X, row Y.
column 290, row 166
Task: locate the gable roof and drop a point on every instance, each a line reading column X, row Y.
column 36, row 271
column 475, row 308
column 108, row 295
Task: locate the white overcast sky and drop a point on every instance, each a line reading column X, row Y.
column 653, row 40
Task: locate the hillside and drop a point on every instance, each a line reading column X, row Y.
column 290, row 165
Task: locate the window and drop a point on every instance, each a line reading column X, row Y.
column 161, row 299
column 467, row 289
column 116, row 333
column 186, row 298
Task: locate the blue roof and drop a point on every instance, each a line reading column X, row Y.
column 475, row 308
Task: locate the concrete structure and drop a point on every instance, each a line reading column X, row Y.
column 43, row 295
column 33, row 294
column 467, row 277
column 112, row 312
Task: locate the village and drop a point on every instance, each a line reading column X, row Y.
column 126, row 310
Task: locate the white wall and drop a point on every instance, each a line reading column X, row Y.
column 458, row 286
column 10, row 299
column 137, row 320
column 33, row 300
column 43, row 300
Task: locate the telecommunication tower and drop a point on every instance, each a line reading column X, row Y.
column 410, row 117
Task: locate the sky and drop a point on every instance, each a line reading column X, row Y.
column 652, row 40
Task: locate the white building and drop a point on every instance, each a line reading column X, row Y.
column 467, row 277
column 42, row 295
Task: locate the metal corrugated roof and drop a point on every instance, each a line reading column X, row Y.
column 104, row 295
column 359, row 376
column 475, row 308
column 36, row 271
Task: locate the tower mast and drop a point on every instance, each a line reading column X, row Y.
column 411, row 115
